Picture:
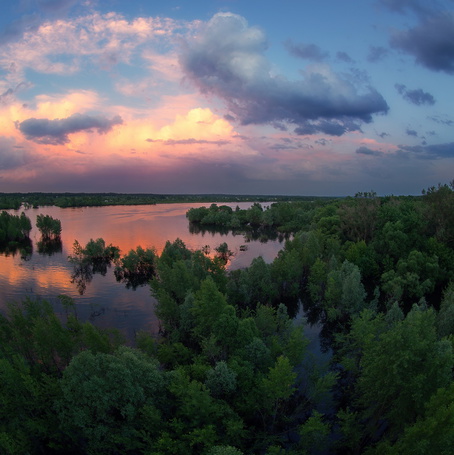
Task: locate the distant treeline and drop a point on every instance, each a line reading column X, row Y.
column 16, row 200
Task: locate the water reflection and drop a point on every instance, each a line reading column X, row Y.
column 126, row 304
column 24, row 248
column 49, row 246
column 249, row 235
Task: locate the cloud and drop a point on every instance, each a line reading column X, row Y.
column 106, row 40
column 377, row 53
column 431, row 42
column 331, row 127
column 367, row 151
column 11, row 155
column 8, row 95
column 441, row 121
column 190, row 141
column 421, row 7
column 431, row 152
column 411, row 132
column 417, row 96
column 306, row 51
column 30, row 19
column 45, row 131
column 341, row 55
column 226, row 59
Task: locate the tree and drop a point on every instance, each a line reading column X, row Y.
column 223, row 252
column 14, row 227
column 103, row 398
column 314, row 434
column 345, row 294
column 445, row 317
column 49, row 227
column 208, row 305
column 275, row 389
column 431, row 433
column 27, row 419
column 224, row 450
column 221, row 380
column 400, row 370
column 137, row 267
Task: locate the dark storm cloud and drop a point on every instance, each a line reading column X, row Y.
column 367, row 151
column 417, row 96
column 431, row 42
column 377, row 53
column 411, row 132
column 306, row 51
column 227, row 60
column 331, row 127
column 431, row 152
column 56, row 131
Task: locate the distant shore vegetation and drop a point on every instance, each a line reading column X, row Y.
column 17, row 200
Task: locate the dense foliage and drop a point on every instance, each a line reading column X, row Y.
column 137, row 267
column 14, row 227
column 231, row 372
column 94, row 258
column 49, row 227
column 279, row 216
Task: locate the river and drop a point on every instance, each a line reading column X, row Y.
column 106, row 302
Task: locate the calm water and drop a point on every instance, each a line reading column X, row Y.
column 106, row 302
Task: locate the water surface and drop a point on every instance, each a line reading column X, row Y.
column 106, row 302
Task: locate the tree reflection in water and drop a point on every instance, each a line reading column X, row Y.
column 49, row 246
column 24, row 247
column 96, row 257
column 84, row 271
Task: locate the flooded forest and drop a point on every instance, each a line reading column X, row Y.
column 230, row 370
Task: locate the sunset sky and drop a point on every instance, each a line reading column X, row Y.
column 301, row 97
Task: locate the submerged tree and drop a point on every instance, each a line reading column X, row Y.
column 96, row 257
column 49, row 227
column 137, row 267
column 14, row 227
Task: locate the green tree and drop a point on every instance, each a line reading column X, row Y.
column 345, row 294
column 275, row 390
column 445, row 317
column 221, row 380
column 224, row 450
column 48, row 226
column 433, row 432
column 27, row 420
column 103, row 398
column 137, row 267
column 314, row 434
column 400, row 369
column 208, row 305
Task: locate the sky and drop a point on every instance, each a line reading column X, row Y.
column 288, row 97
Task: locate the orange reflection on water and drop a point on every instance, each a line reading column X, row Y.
column 126, row 227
